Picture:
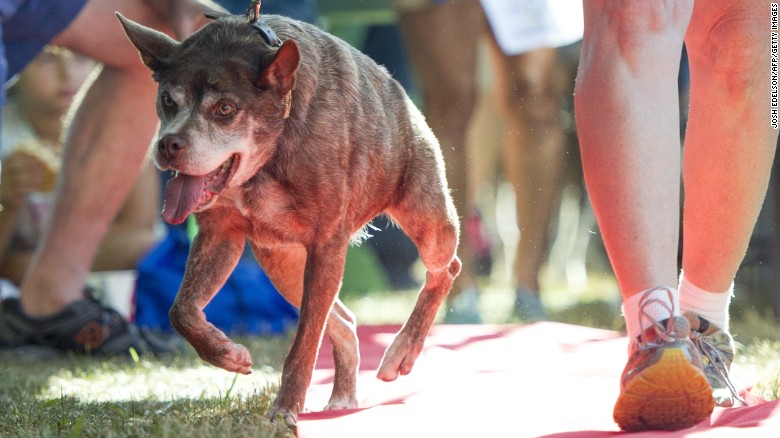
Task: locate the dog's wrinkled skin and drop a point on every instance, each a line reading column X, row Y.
column 297, row 189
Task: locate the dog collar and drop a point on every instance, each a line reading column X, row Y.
column 265, row 31
column 252, row 14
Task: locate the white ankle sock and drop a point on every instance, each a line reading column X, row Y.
column 713, row 306
column 656, row 303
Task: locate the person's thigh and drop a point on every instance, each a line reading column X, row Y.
column 96, row 32
column 442, row 41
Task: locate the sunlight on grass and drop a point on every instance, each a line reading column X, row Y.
column 154, row 381
column 42, row 394
column 761, row 360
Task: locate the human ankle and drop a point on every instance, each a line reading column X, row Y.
column 712, row 306
column 656, row 304
column 42, row 301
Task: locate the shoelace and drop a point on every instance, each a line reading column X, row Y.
column 664, row 329
column 713, row 355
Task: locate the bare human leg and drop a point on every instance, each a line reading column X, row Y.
column 105, row 146
column 729, row 151
column 627, row 121
column 729, row 146
column 529, row 93
column 627, row 114
column 442, row 42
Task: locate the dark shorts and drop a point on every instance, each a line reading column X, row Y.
column 28, row 25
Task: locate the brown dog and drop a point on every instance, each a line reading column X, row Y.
column 297, row 188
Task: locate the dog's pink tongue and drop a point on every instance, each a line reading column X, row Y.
column 182, row 196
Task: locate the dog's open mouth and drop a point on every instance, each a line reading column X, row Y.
column 185, row 194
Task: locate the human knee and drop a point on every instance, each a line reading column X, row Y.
column 452, row 104
column 536, row 99
column 637, row 28
column 730, row 47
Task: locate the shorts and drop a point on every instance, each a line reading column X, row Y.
column 31, row 26
column 413, row 5
column 27, row 26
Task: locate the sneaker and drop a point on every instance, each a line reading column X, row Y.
column 479, row 237
column 528, row 305
column 84, row 327
column 717, row 352
column 663, row 386
column 464, row 308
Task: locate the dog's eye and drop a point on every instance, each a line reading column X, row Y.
column 225, row 109
column 167, row 101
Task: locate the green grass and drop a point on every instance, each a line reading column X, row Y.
column 69, row 396
column 761, row 360
column 182, row 396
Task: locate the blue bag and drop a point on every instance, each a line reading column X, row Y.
column 248, row 303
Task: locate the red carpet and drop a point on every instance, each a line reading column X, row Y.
column 545, row 379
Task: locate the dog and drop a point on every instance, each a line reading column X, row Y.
column 284, row 136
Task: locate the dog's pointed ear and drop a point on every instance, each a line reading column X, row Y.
column 280, row 73
column 155, row 47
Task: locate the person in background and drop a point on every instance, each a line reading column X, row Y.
column 31, row 151
column 442, row 40
column 107, row 140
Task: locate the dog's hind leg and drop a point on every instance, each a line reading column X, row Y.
column 341, row 329
column 285, row 267
column 431, row 222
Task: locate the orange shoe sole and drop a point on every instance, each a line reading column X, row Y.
column 671, row 394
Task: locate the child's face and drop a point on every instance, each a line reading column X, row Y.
column 50, row 82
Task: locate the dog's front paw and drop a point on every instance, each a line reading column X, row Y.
column 399, row 359
column 232, row 357
column 289, row 418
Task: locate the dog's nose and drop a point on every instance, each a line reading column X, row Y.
column 169, row 146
